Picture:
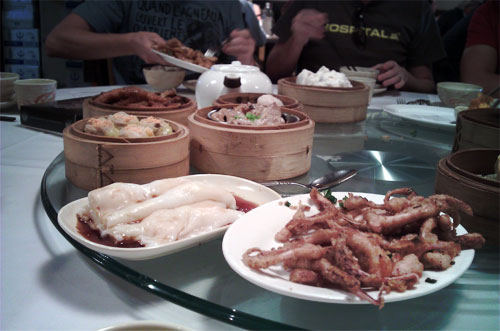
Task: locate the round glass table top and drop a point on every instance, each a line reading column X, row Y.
column 388, row 153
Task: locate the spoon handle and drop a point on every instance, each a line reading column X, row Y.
column 280, row 183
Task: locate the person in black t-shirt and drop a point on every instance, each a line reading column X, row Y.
column 127, row 30
column 401, row 39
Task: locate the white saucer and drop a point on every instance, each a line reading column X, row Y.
column 8, row 104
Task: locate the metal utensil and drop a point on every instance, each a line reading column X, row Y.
column 495, row 104
column 321, row 183
column 215, row 50
column 493, row 91
column 211, row 52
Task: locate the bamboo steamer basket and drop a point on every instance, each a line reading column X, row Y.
column 93, row 161
column 329, row 104
column 235, row 98
column 458, row 176
column 477, row 128
column 259, row 154
column 175, row 114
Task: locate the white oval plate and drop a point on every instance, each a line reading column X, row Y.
column 145, row 325
column 441, row 117
column 258, row 227
column 379, row 89
column 243, row 188
column 180, row 63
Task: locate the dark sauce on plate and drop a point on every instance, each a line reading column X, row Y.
column 95, row 235
column 244, row 205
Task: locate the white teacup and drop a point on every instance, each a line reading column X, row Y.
column 7, row 80
column 32, row 91
column 370, row 82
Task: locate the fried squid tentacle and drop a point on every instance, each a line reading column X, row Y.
column 264, row 259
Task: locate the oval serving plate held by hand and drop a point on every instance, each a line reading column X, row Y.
column 243, row 188
column 180, row 63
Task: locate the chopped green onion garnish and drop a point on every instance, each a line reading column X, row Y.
column 252, row 117
column 328, row 194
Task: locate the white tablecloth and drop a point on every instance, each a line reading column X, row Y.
column 46, row 283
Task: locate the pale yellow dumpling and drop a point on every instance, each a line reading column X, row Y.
column 101, row 126
column 159, row 126
column 136, row 131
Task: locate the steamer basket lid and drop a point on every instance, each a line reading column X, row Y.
column 486, row 116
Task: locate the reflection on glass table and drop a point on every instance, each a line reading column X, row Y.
column 388, row 153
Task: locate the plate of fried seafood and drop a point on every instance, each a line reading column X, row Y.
column 363, row 248
column 176, row 53
column 139, row 222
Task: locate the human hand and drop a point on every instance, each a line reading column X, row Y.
column 392, row 73
column 309, row 24
column 240, row 45
column 142, row 43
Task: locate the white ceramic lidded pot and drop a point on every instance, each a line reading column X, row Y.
column 210, row 85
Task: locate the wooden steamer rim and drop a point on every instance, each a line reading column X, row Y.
column 176, row 114
column 477, row 128
column 201, row 115
column 77, row 129
column 457, row 176
column 250, row 153
column 237, row 98
column 329, row 104
column 93, row 163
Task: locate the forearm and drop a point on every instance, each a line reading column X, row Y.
column 75, row 43
column 424, row 85
column 283, row 58
column 420, row 79
column 479, row 66
column 247, row 59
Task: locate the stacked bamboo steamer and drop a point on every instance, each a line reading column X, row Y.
column 329, row 104
column 477, row 128
column 255, row 153
column 93, row 161
column 178, row 114
column 461, row 175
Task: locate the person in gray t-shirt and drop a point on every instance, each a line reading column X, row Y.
column 127, row 30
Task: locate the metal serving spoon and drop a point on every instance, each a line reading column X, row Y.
column 327, row 181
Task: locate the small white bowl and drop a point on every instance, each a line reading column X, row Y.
column 36, row 90
column 7, row 80
column 454, row 94
column 163, row 78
